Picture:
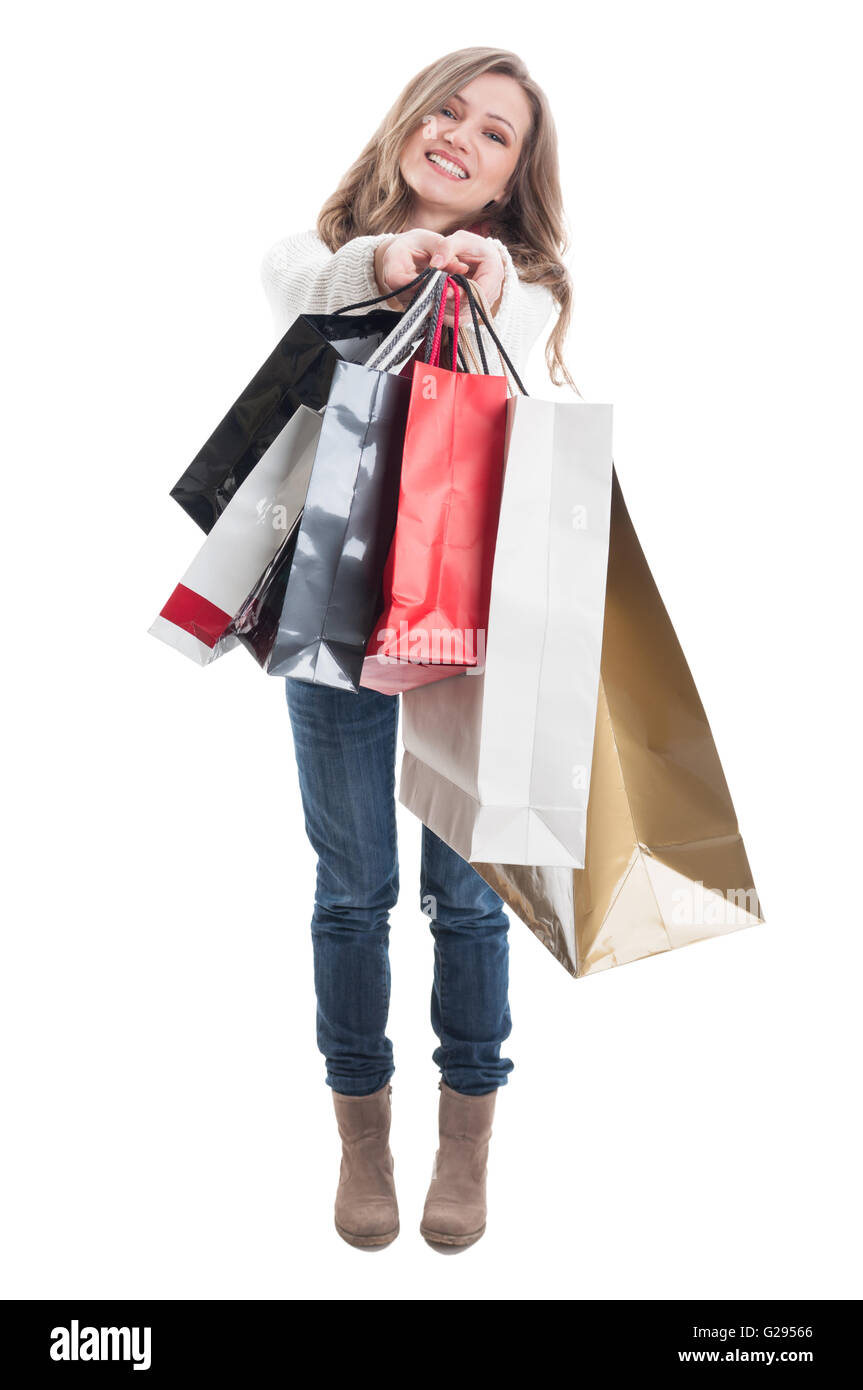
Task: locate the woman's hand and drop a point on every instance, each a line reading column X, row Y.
column 400, row 260
column 462, row 253
column 484, row 266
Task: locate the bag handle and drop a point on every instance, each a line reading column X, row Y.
column 363, row 303
column 394, row 348
column 476, row 298
column 432, row 345
column 467, row 349
column 461, row 347
column 461, row 341
column 425, row 352
column 386, row 354
column 404, row 337
column 482, row 302
column 479, row 309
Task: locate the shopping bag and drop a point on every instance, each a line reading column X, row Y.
column 199, row 615
column 257, row 624
column 498, row 765
column 665, row 864
column 297, row 372
column 257, row 621
column 438, row 574
column 334, row 584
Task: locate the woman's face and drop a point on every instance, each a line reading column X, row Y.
column 481, row 130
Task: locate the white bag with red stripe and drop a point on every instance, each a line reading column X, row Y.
column 198, row 615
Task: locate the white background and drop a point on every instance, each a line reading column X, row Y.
column 682, row 1127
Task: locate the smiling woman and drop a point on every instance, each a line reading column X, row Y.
column 474, row 139
column 461, row 174
column 459, row 163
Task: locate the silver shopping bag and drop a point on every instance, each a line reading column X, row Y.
column 498, row 764
column 334, row 586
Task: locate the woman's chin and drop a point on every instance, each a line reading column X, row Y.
column 435, row 188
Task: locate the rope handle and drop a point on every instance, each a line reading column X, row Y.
column 460, row 337
column 483, row 304
column 364, row 303
column 475, row 299
column 403, row 339
column 440, row 307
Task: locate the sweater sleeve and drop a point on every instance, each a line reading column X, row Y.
column 301, row 275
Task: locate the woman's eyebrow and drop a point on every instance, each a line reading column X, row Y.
column 490, row 114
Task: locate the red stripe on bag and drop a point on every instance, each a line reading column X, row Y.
column 195, row 614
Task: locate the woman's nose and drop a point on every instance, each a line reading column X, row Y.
column 458, row 138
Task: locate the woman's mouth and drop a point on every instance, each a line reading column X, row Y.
column 445, row 166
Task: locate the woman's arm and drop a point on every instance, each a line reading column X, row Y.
column 301, row 275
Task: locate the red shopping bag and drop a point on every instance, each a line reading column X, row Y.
column 437, row 580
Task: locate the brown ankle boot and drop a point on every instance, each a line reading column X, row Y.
column 455, row 1207
column 366, row 1211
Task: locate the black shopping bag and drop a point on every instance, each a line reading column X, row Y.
column 297, row 372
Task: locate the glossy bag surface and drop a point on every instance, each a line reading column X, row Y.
column 297, row 372
column 257, row 623
column 437, row 580
column 335, row 581
column 665, row 864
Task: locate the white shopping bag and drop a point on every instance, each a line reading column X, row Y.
column 197, row 617
column 498, row 764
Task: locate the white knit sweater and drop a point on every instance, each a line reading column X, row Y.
column 302, row 276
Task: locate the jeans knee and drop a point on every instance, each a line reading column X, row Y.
column 475, row 919
column 364, row 917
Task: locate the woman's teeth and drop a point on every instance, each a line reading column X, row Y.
column 447, row 165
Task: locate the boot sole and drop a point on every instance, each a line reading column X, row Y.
column 440, row 1240
column 361, row 1242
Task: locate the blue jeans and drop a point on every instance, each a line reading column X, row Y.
column 346, row 745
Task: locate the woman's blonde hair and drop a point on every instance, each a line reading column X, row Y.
column 373, row 197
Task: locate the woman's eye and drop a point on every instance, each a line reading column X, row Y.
column 448, row 111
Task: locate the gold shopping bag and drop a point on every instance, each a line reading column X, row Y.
column 665, row 865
